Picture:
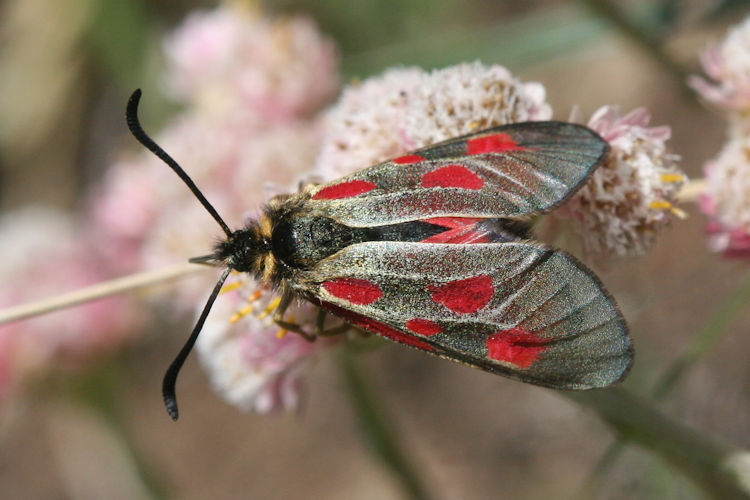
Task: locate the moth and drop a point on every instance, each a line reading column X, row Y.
column 433, row 250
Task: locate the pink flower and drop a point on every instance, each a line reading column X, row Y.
column 733, row 243
column 253, row 363
column 728, row 65
column 122, row 211
column 409, row 108
column 631, row 197
column 251, row 88
column 44, row 254
column 231, row 57
column 726, row 200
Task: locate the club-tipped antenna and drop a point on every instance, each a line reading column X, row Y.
column 170, row 378
column 131, row 115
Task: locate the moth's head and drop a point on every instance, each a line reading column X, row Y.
column 244, row 250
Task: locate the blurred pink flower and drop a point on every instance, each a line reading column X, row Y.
column 238, row 174
column 232, row 57
column 251, row 88
column 726, row 200
column 251, row 361
column 728, row 65
column 631, row 197
column 122, row 211
column 409, row 108
column 733, row 243
column 45, row 253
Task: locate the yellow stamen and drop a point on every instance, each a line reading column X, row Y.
column 241, row 314
column 230, row 288
column 672, row 178
column 271, row 307
column 660, row 205
column 258, row 294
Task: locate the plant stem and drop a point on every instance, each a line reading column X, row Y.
column 98, row 291
column 372, row 421
column 704, row 461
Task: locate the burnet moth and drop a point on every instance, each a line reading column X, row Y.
column 433, row 250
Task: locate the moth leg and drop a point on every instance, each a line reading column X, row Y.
column 320, row 330
column 278, row 318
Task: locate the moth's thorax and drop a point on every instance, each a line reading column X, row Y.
column 301, row 240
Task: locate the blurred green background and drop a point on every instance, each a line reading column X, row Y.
column 66, row 69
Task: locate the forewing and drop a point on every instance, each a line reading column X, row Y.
column 519, row 309
column 507, row 171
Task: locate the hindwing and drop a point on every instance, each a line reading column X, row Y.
column 519, row 309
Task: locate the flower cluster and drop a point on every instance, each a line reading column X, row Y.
column 251, row 361
column 632, row 195
column 251, row 88
column 726, row 200
column 227, row 59
column 728, row 65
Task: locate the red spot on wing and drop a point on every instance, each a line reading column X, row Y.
column 423, row 326
column 464, row 296
column 453, row 222
column 356, row 291
column 461, row 231
column 452, row 176
column 516, row 346
column 375, row 326
column 344, row 190
column 459, row 236
column 495, row 143
column 407, row 159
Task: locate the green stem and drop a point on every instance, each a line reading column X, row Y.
column 641, row 36
column 698, row 458
column 372, row 421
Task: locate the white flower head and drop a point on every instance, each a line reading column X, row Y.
column 727, row 198
column 629, row 198
column 409, row 108
column 253, row 363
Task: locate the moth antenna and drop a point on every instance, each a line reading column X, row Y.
column 170, row 377
column 131, row 115
column 206, row 260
